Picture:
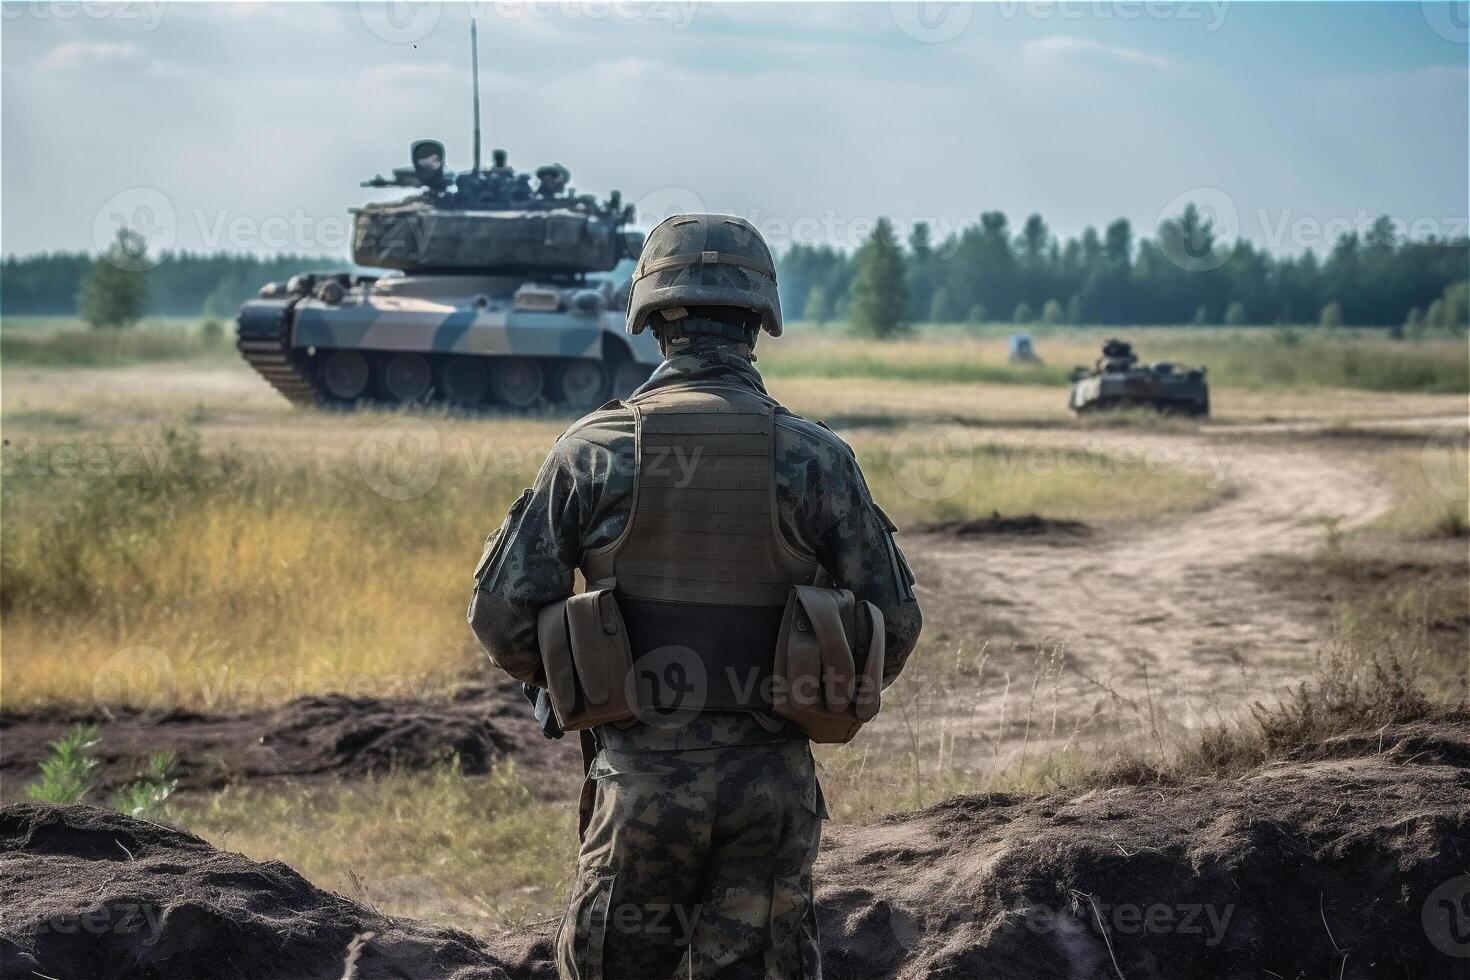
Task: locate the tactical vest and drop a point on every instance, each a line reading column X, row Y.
column 702, row 572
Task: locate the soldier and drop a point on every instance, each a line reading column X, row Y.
column 551, row 179
column 704, row 822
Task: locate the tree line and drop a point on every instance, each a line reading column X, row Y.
column 982, row 272
column 178, row 283
column 1186, row 274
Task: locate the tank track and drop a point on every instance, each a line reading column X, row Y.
column 263, row 338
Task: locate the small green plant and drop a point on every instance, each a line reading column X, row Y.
column 68, row 774
column 146, row 797
column 212, row 330
column 1453, row 523
column 1332, row 537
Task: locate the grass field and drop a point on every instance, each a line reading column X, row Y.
column 1250, row 358
column 266, row 577
column 179, row 517
column 67, row 342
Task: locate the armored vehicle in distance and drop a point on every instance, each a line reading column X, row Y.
column 507, row 296
column 1117, row 380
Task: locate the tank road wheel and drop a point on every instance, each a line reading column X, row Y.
column 345, row 375
column 627, row 376
column 405, row 378
column 517, row 382
column 581, row 384
column 464, row 380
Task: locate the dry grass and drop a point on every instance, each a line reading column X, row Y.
column 480, row 854
column 256, row 574
column 1431, row 479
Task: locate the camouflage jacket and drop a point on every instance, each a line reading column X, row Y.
column 583, row 497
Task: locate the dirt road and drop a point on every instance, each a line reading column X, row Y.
column 1141, row 633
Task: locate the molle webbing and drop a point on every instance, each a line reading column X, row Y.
column 704, row 527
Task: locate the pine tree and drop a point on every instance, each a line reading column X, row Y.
column 879, row 301
column 1023, row 313
column 1332, row 315
column 1052, row 313
column 1235, row 314
column 1074, row 310
column 818, row 309
column 114, row 293
column 941, row 310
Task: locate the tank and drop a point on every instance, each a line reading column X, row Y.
column 502, row 288
column 1117, row 380
column 502, row 294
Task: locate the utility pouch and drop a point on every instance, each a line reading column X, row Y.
column 587, row 660
column 828, row 676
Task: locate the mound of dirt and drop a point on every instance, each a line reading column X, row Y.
column 1350, row 865
column 91, row 893
column 311, row 736
column 1026, row 524
column 1348, row 862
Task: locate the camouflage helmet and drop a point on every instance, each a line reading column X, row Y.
column 704, row 260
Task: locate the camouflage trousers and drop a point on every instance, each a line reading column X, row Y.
column 705, row 854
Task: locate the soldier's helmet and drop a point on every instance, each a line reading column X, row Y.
column 705, row 260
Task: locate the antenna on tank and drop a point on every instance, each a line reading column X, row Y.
column 475, row 71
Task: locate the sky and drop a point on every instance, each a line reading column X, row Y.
column 249, row 127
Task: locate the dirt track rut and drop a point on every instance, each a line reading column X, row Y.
column 1147, row 630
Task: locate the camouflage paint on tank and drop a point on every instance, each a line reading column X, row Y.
column 493, row 267
column 430, row 328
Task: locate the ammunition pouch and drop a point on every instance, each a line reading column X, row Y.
column 587, row 660
column 826, row 673
column 828, row 676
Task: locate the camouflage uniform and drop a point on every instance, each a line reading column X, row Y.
column 703, row 834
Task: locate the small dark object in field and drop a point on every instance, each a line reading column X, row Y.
column 1024, row 525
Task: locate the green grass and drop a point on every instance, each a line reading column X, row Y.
column 1248, row 358
column 66, row 342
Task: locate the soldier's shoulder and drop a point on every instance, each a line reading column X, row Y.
column 609, row 423
column 804, row 433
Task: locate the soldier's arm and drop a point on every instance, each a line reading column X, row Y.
column 853, row 539
column 528, row 564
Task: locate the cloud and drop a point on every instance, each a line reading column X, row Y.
column 1069, row 49
column 110, row 56
column 97, row 54
column 410, row 74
